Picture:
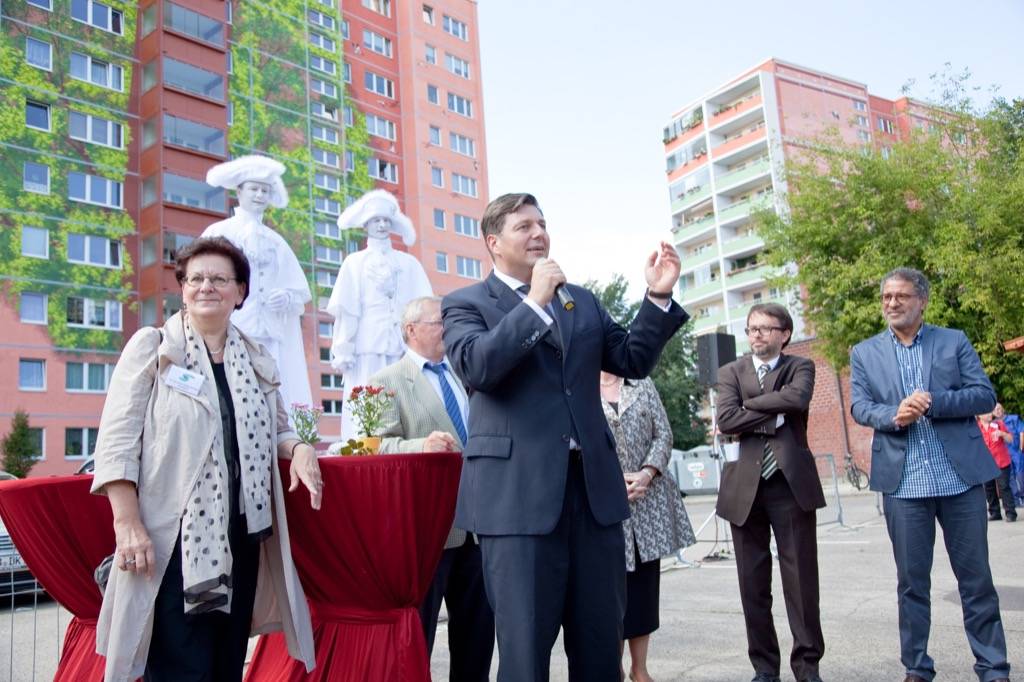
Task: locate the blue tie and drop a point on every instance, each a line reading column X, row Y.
column 451, row 405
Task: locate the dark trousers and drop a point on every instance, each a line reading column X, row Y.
column 965, row 533
column 775, row 510
column 573, row 577
column 999, row 489
column 207, row 647
column 459, row 580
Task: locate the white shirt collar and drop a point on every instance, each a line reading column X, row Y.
column 422, row 361
column 511, row 281
column 772, row 364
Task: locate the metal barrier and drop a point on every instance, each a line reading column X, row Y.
column 835, row 488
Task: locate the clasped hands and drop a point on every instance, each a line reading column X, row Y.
column 912, row 408
column 637, row 483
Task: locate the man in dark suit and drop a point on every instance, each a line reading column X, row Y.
column 773, row 487
column 919, row 387
column 541, row 483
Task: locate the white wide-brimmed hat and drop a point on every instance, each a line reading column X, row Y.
column 375, row 204
column 255, row 168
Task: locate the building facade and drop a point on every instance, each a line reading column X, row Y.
column 114, row 112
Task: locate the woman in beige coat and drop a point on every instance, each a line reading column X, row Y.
column 658, row 523
column 188, row 444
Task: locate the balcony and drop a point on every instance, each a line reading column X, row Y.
column 739, row 141
column 735, row 177
column 701, row 292
column 709, row 322
column 691, row 197
column 723, row 115
column 740, row 312
column 754, row 274
column 688, row 167
column 750, row 242
column 691, row 231
column 739, row 209
column 695, row 261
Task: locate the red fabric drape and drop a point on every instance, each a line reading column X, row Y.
column 62, row 532
column 366, row 560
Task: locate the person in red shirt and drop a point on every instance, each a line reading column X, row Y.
column 996, row 437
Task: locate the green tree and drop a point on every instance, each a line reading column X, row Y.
column 19, row 452
column 676, row 373
column 948, row 200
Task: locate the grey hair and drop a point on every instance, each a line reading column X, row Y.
column 414, row 312
column 921, row 285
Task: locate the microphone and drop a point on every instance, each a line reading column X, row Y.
column 564, row 297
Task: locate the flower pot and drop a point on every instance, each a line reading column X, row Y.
column 371, row 443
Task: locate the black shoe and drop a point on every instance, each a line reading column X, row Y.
column 1011, row 519
column 812, row 678
column 765, row 677
column 995, row 517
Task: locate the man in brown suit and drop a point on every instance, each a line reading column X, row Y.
column 773, row 487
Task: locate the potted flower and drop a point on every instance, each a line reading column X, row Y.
column 368, row 404
column 306, row 419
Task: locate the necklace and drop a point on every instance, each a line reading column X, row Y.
column 215, row 352
column 611, row 383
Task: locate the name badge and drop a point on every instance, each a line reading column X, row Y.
column 183, row 380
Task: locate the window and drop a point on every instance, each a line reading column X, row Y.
column 147, row 251
column 32, row 375
column 320, row 64
column 376, row 42
column 435, row 135
column 325, row 330
column 88, row 377
column 862, row 121
column 45, row 4
column 324, row 111
column 231, row 112
column 93, row 313
column 467, row 226
column 455, row 27
column 886, row 152
column 321, row 19
column 193, row 24
column 460, row 67
column 172, row 304
column 93, row 189
column 382, row 170
column 462, row 144
column 172, row 243
column 325, row 157
column 467, row 267
column 149, row 191
column 106, row 75
column 325, row 134
column 80, row 443
column 460, row 105
column 325, row 205
column 184, row 191
column 428, row 14
column 463, row 185
column 344, row 29
column 97, row 14
column 149, row 76
column 859, row 105
column 185, row 133
column 436, row 177
column 327, row 3
column 35, row 178
column 332, row 381
column 331, row 406
column 430, row 54
column 326, row 278
column 432, row 94
column 379, row 84
column 193, row 79
column 37, row 115
column 322, row 41
column 33, row 308
column 93, row 250
column 35, row 242
column 37, row 436
column 332, row 183
column 325, row 228
column 350, row 160
column 441, row 261
column 439, row 218
column 885, row 125
column 863, row 136
column 379, row 6
column 38, row 53
column 89, row 128
column 380, row 127
column 324, row 88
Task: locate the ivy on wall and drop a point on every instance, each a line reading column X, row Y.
column 55, row 149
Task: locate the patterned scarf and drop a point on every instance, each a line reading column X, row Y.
column 205, row 527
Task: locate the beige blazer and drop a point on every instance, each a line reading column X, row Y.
column 415, row 412
column 155, row 436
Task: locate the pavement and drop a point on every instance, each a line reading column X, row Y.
column 702, row 636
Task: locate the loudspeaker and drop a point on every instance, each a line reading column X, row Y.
column 713, row 351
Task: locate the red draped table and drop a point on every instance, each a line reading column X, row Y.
column 366, row 560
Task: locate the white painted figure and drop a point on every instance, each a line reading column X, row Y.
column 278, row 288
column 372, row 289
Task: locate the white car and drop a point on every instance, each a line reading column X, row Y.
column 15, row 578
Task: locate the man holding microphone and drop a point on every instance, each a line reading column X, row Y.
column 541, row 483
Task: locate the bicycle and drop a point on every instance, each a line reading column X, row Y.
column 854, row 474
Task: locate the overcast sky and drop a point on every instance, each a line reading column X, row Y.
column 576, row 92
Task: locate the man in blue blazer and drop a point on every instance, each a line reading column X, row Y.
column 541, row 483
column 919, row 387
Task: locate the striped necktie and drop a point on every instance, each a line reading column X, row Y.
column 768, row 464
column 451, row 405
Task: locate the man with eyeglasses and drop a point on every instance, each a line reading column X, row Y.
column 763, row 399
column 919, row 386
column 429, row 414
